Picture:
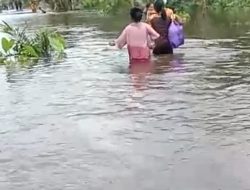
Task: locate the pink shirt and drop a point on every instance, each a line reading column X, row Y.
column 137, row 37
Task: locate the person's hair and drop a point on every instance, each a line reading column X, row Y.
column 148, row 5
column 136, row 14
column 160, row 8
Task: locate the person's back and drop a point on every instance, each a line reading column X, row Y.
column 136, row 36
column 160, row 24
column 137, row 40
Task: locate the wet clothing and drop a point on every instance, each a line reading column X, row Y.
column 162, row 44
column 137, row 38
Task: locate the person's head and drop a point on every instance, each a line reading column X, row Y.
column 151, row 7
column 159, row 7
column 148, row 5
column 136, row 14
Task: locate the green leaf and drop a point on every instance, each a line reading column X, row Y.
column 6, row 27
column 29, row 51
column 61, row 39
column 56, row 44
column 7, row 44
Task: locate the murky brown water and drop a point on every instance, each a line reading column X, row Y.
column 89, row 122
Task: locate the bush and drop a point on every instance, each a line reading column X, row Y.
column 18, row 43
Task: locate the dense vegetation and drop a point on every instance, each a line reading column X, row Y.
column 180, row 5
column 191, row 5
column 115, row 5
column 19, row 45
column 107, row 5
column 55, row 5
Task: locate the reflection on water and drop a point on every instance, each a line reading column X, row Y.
column 90, row 121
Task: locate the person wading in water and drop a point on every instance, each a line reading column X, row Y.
column 160, row 23
column 137, row 36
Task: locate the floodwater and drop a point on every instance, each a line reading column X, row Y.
column 90, row 122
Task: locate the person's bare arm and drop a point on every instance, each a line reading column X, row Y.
column 152, row 33
column 121, row 41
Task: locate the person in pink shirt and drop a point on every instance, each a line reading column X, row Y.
column 138, row 37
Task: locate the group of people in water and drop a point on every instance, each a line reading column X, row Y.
column 18, row 5
column 13, row 4
column 140, row 37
